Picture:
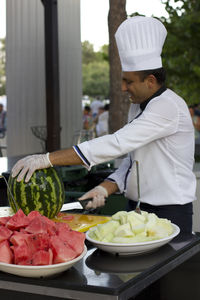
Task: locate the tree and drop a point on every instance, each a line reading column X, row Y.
column 95, row 71
column 182, row 48
column 96, row 79
column 119, row 103
column 88, row 54
column 2, row 67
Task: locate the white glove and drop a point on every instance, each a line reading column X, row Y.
column 99, row 193
column 29, row 164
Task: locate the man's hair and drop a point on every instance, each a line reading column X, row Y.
column 160, row 74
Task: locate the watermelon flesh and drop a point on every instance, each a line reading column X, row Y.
column 5, row 233
column 4, row 220
column 37, row 240
column 6, row 255
column 37, row 225
column 21, row 253
column 17, row 221
column 18, row 238
column 62, row 252
column 43, row 257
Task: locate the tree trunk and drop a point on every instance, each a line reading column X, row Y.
column 119, row 102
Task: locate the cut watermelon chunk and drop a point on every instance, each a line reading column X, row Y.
column 33, row 214
column 19, row 238
column 61, row 250
column 4, row 220
column 51, row 227
column 6, row 254
column 37, row 225
column 26, row 262
column 5, row 233
column 37, row 242
column 74, row 239
column 61, row 228
column 18, row 220
column 22, row 253
column 42, row 257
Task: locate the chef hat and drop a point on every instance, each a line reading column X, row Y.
column 140, row 41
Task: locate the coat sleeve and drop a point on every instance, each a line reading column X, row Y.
column 159, row 119
column 120, row 175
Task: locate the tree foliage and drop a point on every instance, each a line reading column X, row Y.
column 2, row 67
column 95, row 71
column 182, row 48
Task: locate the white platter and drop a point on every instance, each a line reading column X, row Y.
column 133, row 249
column 40, row 271
column 6, row 211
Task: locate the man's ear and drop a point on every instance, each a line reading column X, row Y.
column 151, row 81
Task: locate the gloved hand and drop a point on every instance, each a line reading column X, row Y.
column 99, row 193
column 29, row 164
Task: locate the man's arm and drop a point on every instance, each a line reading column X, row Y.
column 65, row 157
column 27, row 165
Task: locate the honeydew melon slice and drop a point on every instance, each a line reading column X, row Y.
column 124, row 230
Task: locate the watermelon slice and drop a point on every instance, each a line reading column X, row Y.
column 51, row 227
column 62, row 252
column 5, row 233
column 4, row 220
column 6, row 254
column 37, row 225
column 19, row 238
column 61, row 229
column 42, row 257
column 22, row 253
column 74, row 239
column 17, row 221
column 37, row 242
column 33, row 214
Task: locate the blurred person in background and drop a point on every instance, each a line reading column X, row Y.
column 102, row 120
column 96, row 103
column 87, row 118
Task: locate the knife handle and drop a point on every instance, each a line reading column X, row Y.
column 90, row 210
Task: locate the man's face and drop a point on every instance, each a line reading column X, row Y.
column 138, row 90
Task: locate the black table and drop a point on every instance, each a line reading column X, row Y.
column 100, row 275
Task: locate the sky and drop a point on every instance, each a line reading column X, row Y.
column 94, row 13
column 94, row 27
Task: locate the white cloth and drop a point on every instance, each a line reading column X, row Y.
column 162, row 140
column 139, row 42
column 102, row 124
column 95, row 106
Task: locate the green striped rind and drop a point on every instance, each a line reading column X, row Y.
column 44, row 193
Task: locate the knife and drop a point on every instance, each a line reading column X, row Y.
column 75, row 205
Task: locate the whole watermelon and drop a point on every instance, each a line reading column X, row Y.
column 44, row 192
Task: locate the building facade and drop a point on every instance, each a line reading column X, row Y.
column 25, row 71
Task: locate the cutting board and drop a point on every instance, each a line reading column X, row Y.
column 80, row 222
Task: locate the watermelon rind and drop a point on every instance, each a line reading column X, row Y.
column 44, row 193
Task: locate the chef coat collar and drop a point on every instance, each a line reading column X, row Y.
column 158, row 93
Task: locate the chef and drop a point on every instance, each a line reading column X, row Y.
column 159, row 135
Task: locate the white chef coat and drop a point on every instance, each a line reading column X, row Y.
column 161, row 139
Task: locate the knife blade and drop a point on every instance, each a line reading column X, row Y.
column 71, row 206
column 75, row 205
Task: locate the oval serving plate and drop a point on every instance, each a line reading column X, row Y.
column 40, row 271
column 135, row 248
